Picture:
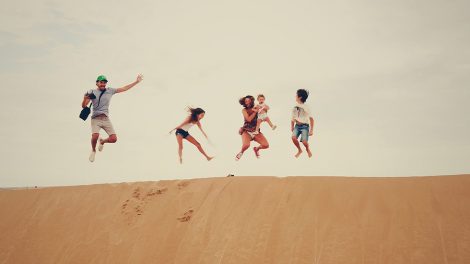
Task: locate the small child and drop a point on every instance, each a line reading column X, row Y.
column 263, row 114
column 302, row 123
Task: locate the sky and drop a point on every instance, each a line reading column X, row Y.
column 388, row 81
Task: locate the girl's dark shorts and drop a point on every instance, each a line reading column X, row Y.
column 182, row 132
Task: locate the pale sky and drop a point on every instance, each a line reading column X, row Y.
column 388, row 80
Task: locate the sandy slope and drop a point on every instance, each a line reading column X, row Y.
column 241, row 220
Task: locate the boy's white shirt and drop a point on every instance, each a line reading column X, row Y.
column 302, row 116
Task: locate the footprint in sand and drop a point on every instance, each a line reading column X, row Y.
column 154, row 192
column 138, row 210
column 187, row 216
column 183, row 184
column 136, row 193
column 139, row 199
column 124, row 206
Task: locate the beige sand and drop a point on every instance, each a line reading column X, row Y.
column 241, row 220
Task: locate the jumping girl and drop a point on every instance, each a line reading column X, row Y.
column 194, row 118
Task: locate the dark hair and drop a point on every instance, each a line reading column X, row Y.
column 194, row 113
column 242, row 101
column 303, row 94
column 261, row 95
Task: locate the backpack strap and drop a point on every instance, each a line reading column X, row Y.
column 99, row 99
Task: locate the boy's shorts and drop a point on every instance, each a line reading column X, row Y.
column 102, row 122
column 302, row 131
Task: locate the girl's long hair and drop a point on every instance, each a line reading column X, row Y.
column 194, row 113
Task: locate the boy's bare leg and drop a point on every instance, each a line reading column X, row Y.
column 297, row 144
column 307, row 147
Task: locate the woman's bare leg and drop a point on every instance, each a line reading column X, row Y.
column 263, row 143
column 258, row 125
column 246, row 139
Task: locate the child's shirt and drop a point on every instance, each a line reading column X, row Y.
column 301, row 113
column 261, row 108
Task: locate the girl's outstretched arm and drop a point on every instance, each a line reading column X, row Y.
column 200, row 127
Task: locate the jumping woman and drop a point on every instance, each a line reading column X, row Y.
column 248, row 132
column 194, row 118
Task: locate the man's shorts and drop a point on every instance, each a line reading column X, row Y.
column 302, row 131
column 102, row 122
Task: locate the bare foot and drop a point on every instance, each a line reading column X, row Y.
column 181, row 160
column 309, row 153
column 298, row 153
column 209, row 158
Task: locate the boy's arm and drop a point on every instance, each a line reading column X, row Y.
column 292, row 123
column 311, row 126
column 139, row 78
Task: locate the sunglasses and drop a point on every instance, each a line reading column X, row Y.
column 102, row 81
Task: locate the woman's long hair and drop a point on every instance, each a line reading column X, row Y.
column 242, row 101
column 194, row 113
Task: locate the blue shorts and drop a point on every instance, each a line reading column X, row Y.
column 301, row 130
column 182, row 132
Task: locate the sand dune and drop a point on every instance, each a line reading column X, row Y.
column 241, row 220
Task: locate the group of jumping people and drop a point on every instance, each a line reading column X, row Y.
column 254, row 115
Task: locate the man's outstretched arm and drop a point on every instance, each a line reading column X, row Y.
column 139, row 78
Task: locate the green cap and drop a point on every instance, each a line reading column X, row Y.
column 101, row 78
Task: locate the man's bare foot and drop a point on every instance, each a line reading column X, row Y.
column 209, row 158
column 309, row 153
column 181, row 160
column 298, row 153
